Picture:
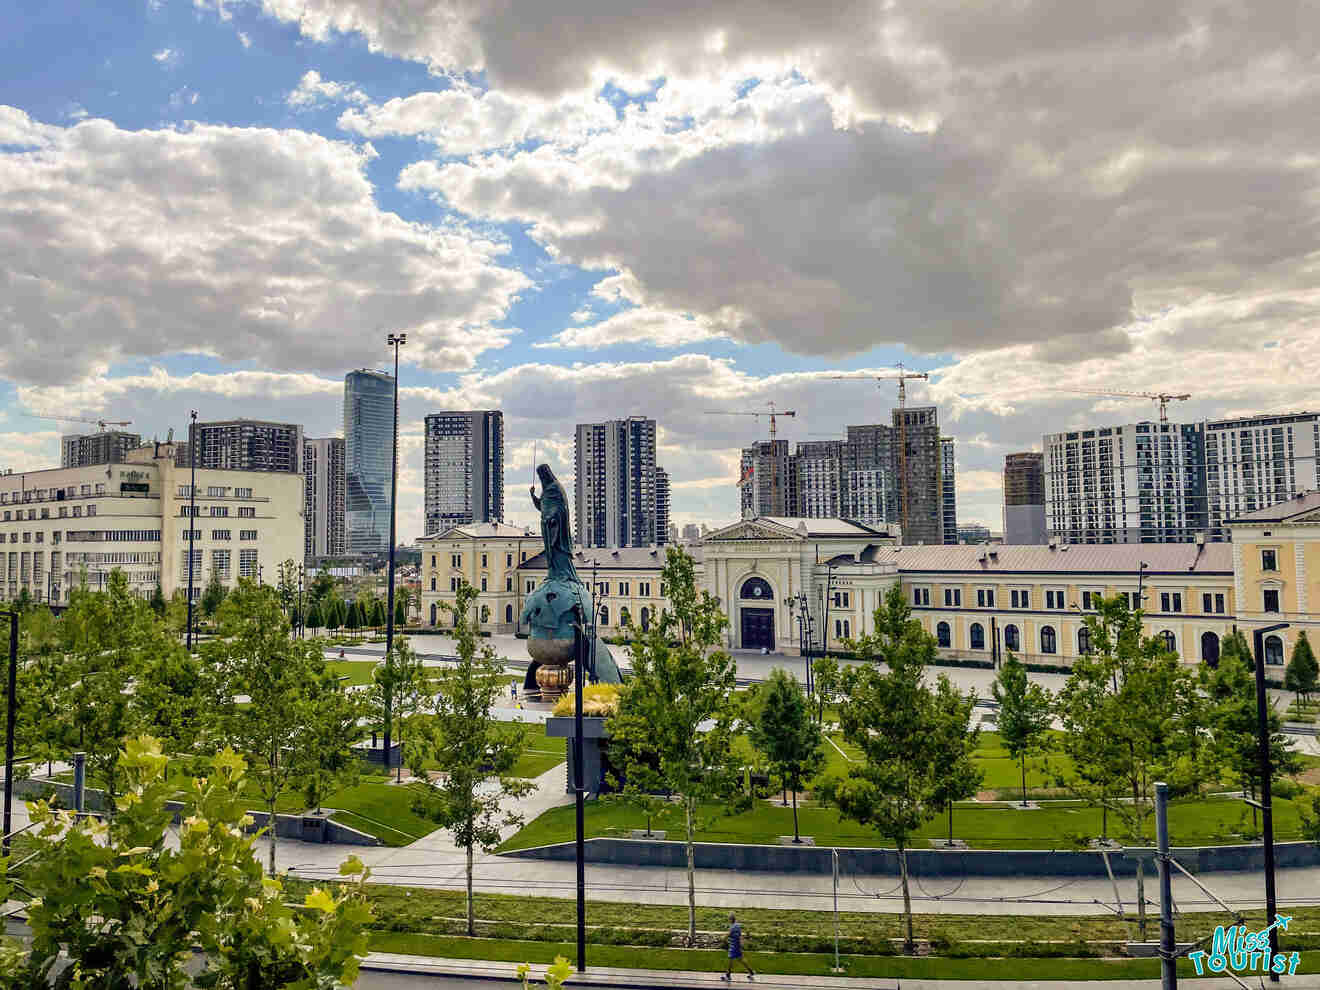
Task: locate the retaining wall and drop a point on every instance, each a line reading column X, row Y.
column 286, row 826
column 921, row 862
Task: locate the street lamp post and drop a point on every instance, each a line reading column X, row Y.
column 11, row 707
column 192, row 516
column 395, row 340
column 1266, row 781
column 302, row 621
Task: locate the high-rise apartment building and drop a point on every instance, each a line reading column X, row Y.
column 1256, row 462
column 1024, row 499
column 869, row 475
column 106, row 447
column 767, row 485
column 663, row 529
column 368, row 460
column 464, row 469
column 615, row 483
column 323, row 497
column 1136, row 483
column 921, row 509
column 245, row 445
column 948, row 490
column 817, row 472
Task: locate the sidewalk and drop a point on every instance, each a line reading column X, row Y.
column 613, row 977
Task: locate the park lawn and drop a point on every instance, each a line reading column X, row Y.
column 1056, row 825
column 380, row 809
column 355, row 672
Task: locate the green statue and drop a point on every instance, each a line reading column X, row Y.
column 551, row 611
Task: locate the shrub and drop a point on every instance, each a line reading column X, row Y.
column 598, row 700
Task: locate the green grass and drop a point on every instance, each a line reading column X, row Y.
column 785, row 963
column 1209, row 821
column 356, row 672
column 382, row 810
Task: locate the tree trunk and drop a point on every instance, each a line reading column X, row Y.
column 1141, row 901
column 691, row 877
column 950, row 823
column 471, row 910
column 909, row 943
column 1024, row 780
column 271, row 829
column 796, row 837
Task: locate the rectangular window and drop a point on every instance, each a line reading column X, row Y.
column 508, row 562
column 220, row 564
column 1087, row 601
column 217, row 491
column 453, row 584
column 508, row 586
column 531, row 586
column 1164, row 601
column 219, row 510
column 91, row 510
column 484, row 564
column 1271, row 600
column 483, row 588
column 1205, row 604
column 1269, row 560
column 1177, row 601
column 242, row 493
column 455, row 560
column 77, row 512
column 985, row 598
column 219, row 534
column 196, row 535
column 623, row 589
column 1219, row 604
column 247, row 512
column 247, row 534
column 247, row 563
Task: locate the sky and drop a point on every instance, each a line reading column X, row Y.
column 580, row 210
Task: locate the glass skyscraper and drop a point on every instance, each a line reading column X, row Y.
column 368, row 430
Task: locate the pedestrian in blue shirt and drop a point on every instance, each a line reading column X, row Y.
column 735, row 950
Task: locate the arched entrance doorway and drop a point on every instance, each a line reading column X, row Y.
column 756, row 621
column 1210, row 648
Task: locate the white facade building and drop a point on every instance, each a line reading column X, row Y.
column 1258, row 462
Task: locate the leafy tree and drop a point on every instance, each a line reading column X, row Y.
column 254, row 655
column 785, row 732
column 1303, row 672
column 175, row 698
column 674, row 727
column 286, row 584
column 401, row 607
column 326, row 754
column 476, row 794
column 891, row 717
column 314, row 618
column 158, row 601
column 1129, row 718
column 378, row 615
column 1235, row 645
column 126, row 909
column 321, row 588
column 214, row 595
column 333, row 610
column 1230, row 696
column 400, row 679
column 826, row 680
column 354, row 619
column 957, row 774
column 1025, row 713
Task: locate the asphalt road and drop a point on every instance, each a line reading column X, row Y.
column 412, row 981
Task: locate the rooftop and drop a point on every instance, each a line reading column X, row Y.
column 1298, row 505
column 621, row 558
column 479, row 531
column 1099, row 558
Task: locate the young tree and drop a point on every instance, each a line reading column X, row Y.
column 158, row 601
column 1303, row 672
column 891, row 717
column 286, row 585
column 826, row 679
column 326, row 753
column 402, row 679
column 124, row 908
column 785, row 732
column 254, row 655
column 378, row 615
column 674, row 727
column 957, row 775
column 1025, row 713
column 213, row 596
column 401, row 602
column 476, row 794
column 315, row 620
column 1129, row 719
column 353, row 622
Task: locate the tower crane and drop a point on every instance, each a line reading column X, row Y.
column 102, row 423
column 900, row 375
column 1163, row 398
column 774, row 472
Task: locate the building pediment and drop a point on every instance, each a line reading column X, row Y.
column 752, row 529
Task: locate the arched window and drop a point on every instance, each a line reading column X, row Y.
column 604, row 616
column 1210, row 648
column 847, row 629
column 1273, row 650
column 646, row 618
column 1084, row 641
column 433, row 584
column 1170, row 643
column 1048, row 643
column 508, row 613
column 434, row 610
column 942, row 635
column 624, row 616
column 978, row 636
column 756, row 588
column 1012, row 641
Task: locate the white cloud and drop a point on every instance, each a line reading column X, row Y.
column 166, row 56
column 244, row 39
column 247, row 245
column 313, row 91
column 662, row 328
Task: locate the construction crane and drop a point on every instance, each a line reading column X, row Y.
column 900, row 375
column 774, row 471
column 102, row 423
column 1163, row 398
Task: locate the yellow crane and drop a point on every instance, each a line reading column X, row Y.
column 1163, row 398
column 901, row 375
column 774, row 414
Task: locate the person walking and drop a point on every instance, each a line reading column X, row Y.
column 735, row 951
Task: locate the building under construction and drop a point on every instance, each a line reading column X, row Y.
column 106, row 447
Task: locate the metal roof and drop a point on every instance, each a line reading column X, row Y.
column 1080, row 558
column 480, row 531
column 818, row 527
column 1297, row 505
column 621, row 558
